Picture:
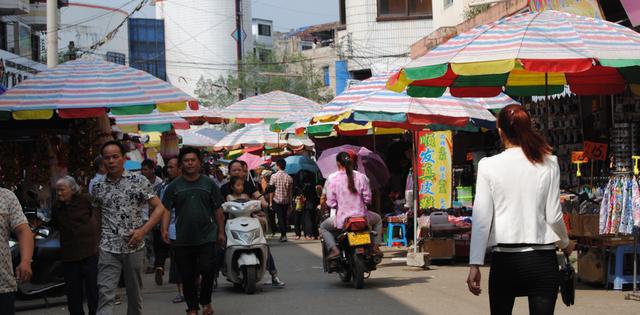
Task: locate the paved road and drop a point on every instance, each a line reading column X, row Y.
column 393, row 289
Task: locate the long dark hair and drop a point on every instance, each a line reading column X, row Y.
column 517, row 127
column 345, row 160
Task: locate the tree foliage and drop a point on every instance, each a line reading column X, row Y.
column 262, row 74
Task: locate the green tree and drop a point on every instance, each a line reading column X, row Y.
column 262, row 74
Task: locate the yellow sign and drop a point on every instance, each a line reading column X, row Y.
column 434, row 169
column 579, row 157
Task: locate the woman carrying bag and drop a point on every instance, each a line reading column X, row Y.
column 517, row 214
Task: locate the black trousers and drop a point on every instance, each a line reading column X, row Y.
column 538, row 305
column 7, row 303
column 193, row 261
column 311, row 222
column 160, row 249
column 282, row 210
column 81, row 277
column 298, row 223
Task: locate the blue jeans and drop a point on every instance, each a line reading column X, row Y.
column 7, row 303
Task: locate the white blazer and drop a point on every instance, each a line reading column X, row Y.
column 516, row 202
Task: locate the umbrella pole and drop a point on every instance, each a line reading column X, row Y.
column 375, row 149
column 416, row 195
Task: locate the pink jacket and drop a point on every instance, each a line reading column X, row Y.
column 346, row 203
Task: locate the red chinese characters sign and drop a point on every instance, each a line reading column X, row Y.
column 434, row 169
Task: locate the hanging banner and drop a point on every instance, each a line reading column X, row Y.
column 588, row 8
column 434, row 169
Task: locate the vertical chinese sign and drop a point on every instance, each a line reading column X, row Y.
column 434, row 169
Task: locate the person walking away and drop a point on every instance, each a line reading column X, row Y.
column 12, row 219
column 169, row 225
column 78, row 222
column 310, row 209
column 199, row 228
column 101, row 172
column 517, row 213
column 153, row 240
column 348, row 192
column 283, row 184
column 120, row 196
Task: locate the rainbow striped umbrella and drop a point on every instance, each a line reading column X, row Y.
column 269, row 106
column 390, row 109
column 191, row 138
column 87, row 88
column 155, row 121
column 529, row 54
column 201, row 115
column 256, row 135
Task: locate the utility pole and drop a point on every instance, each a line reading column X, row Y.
column 52, row 33
column 239, row 40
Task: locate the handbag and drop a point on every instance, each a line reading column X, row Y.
column 567, row 282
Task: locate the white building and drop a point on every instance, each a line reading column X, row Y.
column 262, row 31
column 199, row 39
column 86, row 22
column 379, row 33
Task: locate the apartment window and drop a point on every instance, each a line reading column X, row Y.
column 264, row 30
column 389, row 10
column 448, row 3
column 115, row 57
column 327, row 76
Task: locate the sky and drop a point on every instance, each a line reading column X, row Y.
column 285, row 14
column 288, row 14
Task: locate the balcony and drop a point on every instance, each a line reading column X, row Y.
column 14, row 7
column 37, row 17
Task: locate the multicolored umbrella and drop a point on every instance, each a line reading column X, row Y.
column 390, row 109
column 250, row 136
column 529, row 54
column 87, row 88
column 201, row 115
column 155, row 121
column 211, row 132
column 268, row 107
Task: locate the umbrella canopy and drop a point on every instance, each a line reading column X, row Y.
column 211, row 132
column 369, row 163
column 193, row 139
column 297, row 163
column 251, row 135
column 201, row 115
column 529, row 54
column 155, row 121
column 253, row 161
column 390, row 109
column 269, row 106
column 87, row 88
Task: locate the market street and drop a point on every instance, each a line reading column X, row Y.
column 393, row 289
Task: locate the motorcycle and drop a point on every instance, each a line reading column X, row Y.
column 47, row 279
column 246, row 249
column 357, row 259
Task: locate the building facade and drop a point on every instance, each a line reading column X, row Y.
column 200, row 39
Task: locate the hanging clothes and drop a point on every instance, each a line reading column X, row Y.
column 620, row 207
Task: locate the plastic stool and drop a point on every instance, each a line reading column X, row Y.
column 403, row 234
column 620, row 266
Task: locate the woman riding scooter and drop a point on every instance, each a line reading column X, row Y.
column 349, row 193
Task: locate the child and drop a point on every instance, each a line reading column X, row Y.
column 237, row 186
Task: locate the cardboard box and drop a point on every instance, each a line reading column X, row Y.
column 440, row 248
column 587, row 225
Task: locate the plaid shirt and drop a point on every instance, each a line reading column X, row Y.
column 284, row 185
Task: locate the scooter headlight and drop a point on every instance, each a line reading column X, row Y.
column 246, row 237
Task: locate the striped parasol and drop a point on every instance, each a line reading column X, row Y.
column 529, row 54
column 87, row 88
column 191, row 138
column 269, row 106
column 256, row 135
column 201, row 115
column 155, row 121
column 390, row 109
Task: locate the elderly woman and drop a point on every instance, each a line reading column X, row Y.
column 78, row 223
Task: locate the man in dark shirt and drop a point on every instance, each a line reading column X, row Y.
column 199, row 225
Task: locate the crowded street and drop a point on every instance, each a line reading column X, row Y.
column 392, row 289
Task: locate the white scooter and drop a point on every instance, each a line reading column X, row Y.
column 246, row 252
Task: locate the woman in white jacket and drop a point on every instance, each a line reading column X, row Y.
column 517, row 214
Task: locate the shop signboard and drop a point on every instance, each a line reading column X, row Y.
column 434, row 169
column 595, row 150
column 588, row 8
column 579, row 157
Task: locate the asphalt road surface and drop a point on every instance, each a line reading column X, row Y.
column 393, row 289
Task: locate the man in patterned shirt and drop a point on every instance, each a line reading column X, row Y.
column 282, row 197
column 12, row 219
column 121, row 197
